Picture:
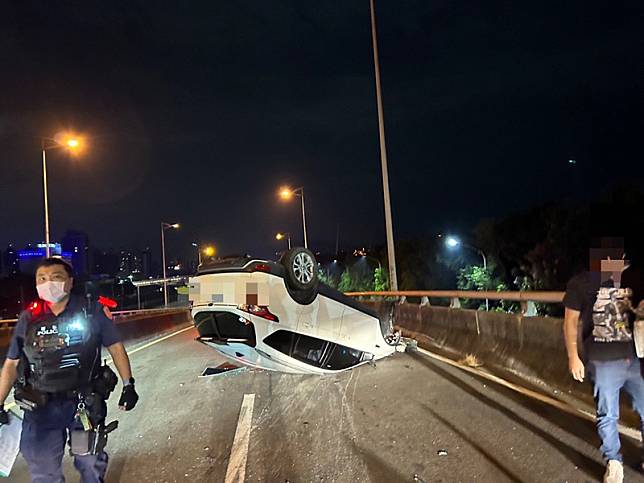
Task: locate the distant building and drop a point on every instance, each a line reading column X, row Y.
column 146, row 257
column 105, row 263
column 77, row 244
column 27, row 259
column 130, row 265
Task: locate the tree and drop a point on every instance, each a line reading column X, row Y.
column 346, row 283
column 380, row 280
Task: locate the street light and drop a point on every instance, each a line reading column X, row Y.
column 453, row 242
column 209, row 251
column 62, row 140
column 363, row 254
column 165, row 226
column 281, row 236
column 286, row 194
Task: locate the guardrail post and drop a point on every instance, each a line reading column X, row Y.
column 424, row 301
column 454, row 303
column 402, row 300
column 529, row 308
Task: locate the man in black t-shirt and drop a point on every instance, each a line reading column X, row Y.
column 604, row 305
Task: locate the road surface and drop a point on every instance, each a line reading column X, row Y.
column 410, row 416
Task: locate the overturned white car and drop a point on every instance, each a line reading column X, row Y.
column 277, row 316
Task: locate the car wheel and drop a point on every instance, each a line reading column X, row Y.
column 301, row 275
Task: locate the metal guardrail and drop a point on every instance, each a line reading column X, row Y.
column 116, row 314
column 544, row 297
column 526, row 299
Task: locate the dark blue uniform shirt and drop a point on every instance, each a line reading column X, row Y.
column 105, row 329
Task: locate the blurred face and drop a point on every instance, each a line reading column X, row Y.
column 56, row 274
column 607, row 260
column 613, row 266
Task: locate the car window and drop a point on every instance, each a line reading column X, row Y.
column 225, row 325
column 309, row 349
column 314, row 351
column 342, row 357
column 232, row 326
column 280, row 340
column 205, row 323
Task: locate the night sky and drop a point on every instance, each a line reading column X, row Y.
column 197, row 112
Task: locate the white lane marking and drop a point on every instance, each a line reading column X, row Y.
column 129, row 353
column 625, row 430
column 236, row 471
column 156, row 341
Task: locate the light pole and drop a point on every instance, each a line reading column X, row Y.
column 198, row 254
column 209, row 251
column 453, row 242
column 69, row 142
column 164, row 227
column 281, row 236
column 287, row 193
column 391, row 254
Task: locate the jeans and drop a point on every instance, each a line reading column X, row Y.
column 42, row 444
column 608, row 378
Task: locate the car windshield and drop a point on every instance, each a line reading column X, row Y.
column 224, row 325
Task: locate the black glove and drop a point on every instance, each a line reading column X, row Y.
column 129, row 397
column 4, row 417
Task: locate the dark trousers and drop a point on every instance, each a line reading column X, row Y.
column 43, row 441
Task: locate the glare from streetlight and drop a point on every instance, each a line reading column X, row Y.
column 285, row 193
column 209, row 251
column 452, row 242
column 175, row 225
column 279, row 236
column 73, row 142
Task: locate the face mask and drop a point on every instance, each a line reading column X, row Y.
column 52, row 292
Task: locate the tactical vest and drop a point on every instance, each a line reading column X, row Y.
column 61, row 353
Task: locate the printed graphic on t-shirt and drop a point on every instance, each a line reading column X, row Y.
column 610, row 315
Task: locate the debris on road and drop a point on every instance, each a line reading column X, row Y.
column 470, row 360
column 407, row 345
column 220, row 369
column 442, row 452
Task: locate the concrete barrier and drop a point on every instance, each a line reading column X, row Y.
column 526, row 350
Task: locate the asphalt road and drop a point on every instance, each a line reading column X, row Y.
column 410, row 415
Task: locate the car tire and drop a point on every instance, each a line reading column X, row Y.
column 301, row 274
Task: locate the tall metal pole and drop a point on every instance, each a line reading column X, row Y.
column 487, row 302
column 165, row 283
column 306, row 244
column 44, row 180
column 393, row 281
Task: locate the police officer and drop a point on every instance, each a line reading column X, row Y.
column 55, row 355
